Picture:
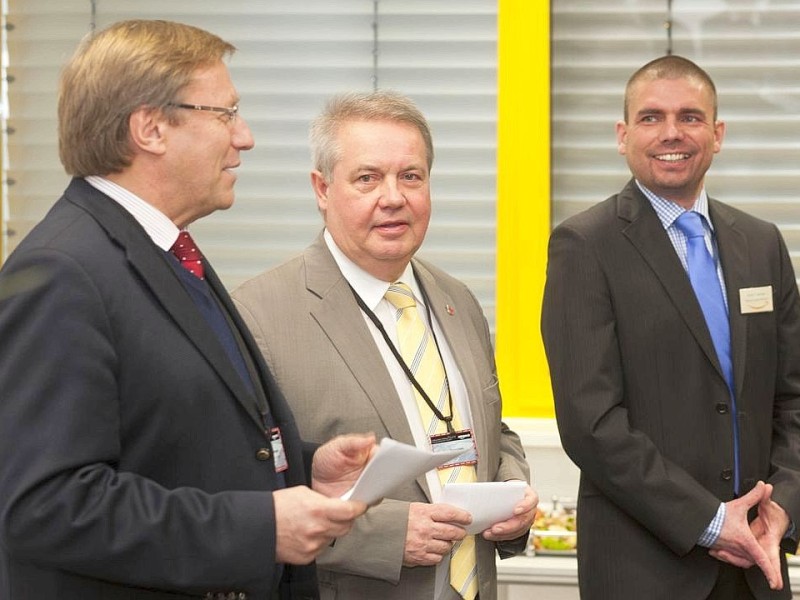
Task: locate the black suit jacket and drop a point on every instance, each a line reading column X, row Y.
column 130, row 445
column 641, row 403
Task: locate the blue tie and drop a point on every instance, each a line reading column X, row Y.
column 703, row 275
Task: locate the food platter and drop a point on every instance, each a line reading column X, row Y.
column 554, row 530
column 550, row 542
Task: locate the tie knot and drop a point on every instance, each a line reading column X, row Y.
column 691, row 224
column 400, row 295
column 188, row 254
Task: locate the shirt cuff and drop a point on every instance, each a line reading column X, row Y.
column 790, row 531
column 714, row 529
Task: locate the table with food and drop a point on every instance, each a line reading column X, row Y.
column 554, row 528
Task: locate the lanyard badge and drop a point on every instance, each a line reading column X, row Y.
column 456, row 440
column 278, row 453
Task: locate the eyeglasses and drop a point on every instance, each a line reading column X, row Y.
column 230, row 113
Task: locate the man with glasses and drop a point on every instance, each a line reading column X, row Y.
column 146, row 451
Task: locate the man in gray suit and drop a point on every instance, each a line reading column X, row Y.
column 328, row 334
column 675, row 426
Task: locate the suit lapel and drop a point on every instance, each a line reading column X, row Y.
column 455, row 326
column 157, row 274
column 734, row 252
column 646, row 233
column 341, row 320
column 208, row 344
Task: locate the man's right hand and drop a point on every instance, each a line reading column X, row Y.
column 306, row 522
column 432, row 531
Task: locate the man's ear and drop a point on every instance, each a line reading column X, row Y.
column 622, row 137
column 320, row 190
column 147, row 127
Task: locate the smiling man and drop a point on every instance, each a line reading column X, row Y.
column 335, row 340
column 671, row 323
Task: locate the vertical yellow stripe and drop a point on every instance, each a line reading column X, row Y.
column 523, row 203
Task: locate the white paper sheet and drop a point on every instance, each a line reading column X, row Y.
column 488, row 502
column 393, row 464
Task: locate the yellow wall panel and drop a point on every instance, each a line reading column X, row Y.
column 523, row 204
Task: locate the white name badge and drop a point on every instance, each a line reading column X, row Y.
column 457, row 440
column 278, row 453
column 756, row 299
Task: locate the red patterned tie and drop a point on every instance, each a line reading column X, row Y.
column 186, row 251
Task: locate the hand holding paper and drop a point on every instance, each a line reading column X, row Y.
column 339, row 462
column 393, row 464
column 488, row 502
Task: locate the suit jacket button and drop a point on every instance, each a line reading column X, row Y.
column 722, row 408
column 726, row 474
column 263, row 454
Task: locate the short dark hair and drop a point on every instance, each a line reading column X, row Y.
column 670, row 67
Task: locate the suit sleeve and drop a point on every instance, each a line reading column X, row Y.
column 785, row 457
column 512, row 461
column 579, row 328
column 67, row 501
column 513, row 465
column 375, row 546
column 376, row 543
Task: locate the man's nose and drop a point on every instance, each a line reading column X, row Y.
column 392, row 195
column 671, row 130
column 242, row 136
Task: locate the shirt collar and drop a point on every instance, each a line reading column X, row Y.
column 156, row 224
column 669, row 211
column 369, row 288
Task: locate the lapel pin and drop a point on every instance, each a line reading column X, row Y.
column 450, row 310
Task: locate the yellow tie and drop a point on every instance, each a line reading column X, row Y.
column 418, row 349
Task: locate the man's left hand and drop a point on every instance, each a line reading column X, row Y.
column 769, row 527
column 517, row 525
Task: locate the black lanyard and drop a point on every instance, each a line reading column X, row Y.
column 448, row 419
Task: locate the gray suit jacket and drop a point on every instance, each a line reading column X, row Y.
column 642, row 405
column 313, row 335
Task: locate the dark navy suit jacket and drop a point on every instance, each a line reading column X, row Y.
column 133, row 461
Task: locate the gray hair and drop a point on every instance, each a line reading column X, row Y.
column 380, row 105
